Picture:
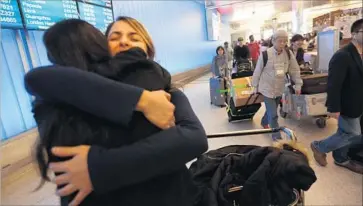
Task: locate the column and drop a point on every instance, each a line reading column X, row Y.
column 297, row 16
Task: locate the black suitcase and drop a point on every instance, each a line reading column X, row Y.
column 314, row 84
column 242, row 74
column 246, row 112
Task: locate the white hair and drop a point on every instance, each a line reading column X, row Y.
column 280, row 33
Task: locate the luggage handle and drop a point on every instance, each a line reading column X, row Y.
column 249, row 98
column 286, row 130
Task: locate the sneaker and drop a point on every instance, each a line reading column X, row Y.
column 319, row 156
column 266, row 126
column 351, row 165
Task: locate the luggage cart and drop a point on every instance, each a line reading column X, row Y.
column 305, row 105
column 244, row 112
column 299, row 196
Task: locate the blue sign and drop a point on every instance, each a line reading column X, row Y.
column 106, row 3
column 10, row 14
column 99, row 17
column 42, row 14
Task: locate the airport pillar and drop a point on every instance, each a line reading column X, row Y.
column 297, row 16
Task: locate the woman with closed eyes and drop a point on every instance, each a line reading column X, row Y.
column 120, row 154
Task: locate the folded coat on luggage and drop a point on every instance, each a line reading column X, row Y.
column 268, row 175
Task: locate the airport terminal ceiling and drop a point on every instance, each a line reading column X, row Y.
column 256, row 15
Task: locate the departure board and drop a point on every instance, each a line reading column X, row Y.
column 10, row 14
column 98, row 16
column 106, row 3
column 41, row 14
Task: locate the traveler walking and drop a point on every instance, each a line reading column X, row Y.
column 219, row 67
column 254, row 48
column 269, row 79
column 345, row 102
column 229, row 53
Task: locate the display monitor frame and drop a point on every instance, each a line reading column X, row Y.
column 91, row 3
column 39, row 29
column 105, row 7
column 21, row 17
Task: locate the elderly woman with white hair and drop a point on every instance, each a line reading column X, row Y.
column 269, row 78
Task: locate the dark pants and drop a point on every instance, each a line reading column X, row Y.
column 254, row 63
column 349, row 134
column 271, row 117
column 356, row 151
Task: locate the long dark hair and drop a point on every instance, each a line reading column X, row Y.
column 77, row 44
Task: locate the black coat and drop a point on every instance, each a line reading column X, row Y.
column 267, row 174
column 129, row 165
column 345, row 82
column 299, row 56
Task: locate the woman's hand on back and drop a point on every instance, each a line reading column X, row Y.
column 75, row 177
column 157, row 108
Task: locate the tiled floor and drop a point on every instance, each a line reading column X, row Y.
column 335, row 186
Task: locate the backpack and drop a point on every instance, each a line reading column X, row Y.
column 265, row 56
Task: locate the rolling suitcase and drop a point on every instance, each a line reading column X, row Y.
column 246, row 112
column 314, row 84
column 246, row 107
column 218, row 91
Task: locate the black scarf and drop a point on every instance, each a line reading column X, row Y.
column 132, row 67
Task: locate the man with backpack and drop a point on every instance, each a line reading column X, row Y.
column 274, row 66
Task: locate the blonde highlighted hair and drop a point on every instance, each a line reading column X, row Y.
column 140, row 30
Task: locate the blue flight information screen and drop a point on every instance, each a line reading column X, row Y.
column 106, row 3
column 42, row 14
column 10, row 14
column 99, row 17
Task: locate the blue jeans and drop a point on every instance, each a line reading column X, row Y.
column 271, row 118
column 349, row 133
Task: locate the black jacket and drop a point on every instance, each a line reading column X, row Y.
column 129, row 163
column 268, row 176
column 299, row 56
column 345, row 82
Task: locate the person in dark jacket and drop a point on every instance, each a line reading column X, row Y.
column 248, row 175
column 242, row 63
column 128, row 164
column 344, row 102
column 297, row 42
column 241, row 44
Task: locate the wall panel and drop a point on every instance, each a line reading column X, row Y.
column 178, row 29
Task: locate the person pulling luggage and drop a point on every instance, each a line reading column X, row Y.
column 221, row 73
column 272, row 67
column 219, row 67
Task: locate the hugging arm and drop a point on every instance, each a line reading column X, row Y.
column 87, row 91
column 159, row 154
